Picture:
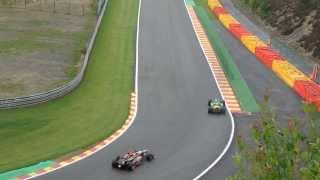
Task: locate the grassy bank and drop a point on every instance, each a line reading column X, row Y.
column 93, row 111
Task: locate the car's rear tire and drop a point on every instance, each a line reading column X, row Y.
column 114, row 164
column 149, row 157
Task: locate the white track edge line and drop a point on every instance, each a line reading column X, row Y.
column 137, row 51
column 136, row 104
column 230, row 114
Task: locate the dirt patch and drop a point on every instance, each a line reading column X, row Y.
column 297, row 22
column 40, row 50
column 74, row 7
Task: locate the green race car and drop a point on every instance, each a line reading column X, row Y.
column 216, row 106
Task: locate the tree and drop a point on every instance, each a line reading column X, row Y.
column 276, row 152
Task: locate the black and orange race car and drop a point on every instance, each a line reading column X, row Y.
column 132, row 159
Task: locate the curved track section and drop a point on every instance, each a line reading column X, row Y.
column 175, row 83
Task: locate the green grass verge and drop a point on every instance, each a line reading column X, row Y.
column 23, row 171
column 247, row 101
column 93, row 111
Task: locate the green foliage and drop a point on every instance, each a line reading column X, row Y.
column 276, row 152
column 310, row 3
column 262, row 7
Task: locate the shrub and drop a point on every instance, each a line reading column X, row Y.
column 261, row 7
column 276, row 152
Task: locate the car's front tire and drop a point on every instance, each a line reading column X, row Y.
column 149, row 157
column 114, row 164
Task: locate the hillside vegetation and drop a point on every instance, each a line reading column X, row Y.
column 297, row 20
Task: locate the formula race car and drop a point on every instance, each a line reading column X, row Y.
column 216, row 106
column 132, row 159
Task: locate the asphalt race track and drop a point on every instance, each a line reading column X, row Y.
column 175, row 83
